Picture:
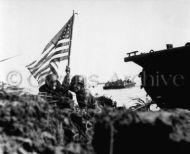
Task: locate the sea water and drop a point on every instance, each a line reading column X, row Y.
column 124, row 97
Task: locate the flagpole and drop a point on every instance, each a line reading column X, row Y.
column 67, row 67
column 71, row 39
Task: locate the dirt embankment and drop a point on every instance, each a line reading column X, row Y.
column 142, row 132
column 28, row 124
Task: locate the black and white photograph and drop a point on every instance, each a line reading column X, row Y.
column 94, row 76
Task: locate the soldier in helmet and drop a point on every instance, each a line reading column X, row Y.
column 84, row 97
column 53, row 87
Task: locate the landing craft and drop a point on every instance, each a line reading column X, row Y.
column 165, row 75
column 117, row 83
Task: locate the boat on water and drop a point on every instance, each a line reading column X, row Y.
column 119, row 84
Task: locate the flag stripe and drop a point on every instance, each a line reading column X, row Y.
column 55, row 64
column 60, row 59
column 48, row 59
column 43, row 68
column 31, row 64
column 41, row 81
column 55, row 51
column 40, row 71
column 43, row 74
column 63, row 41
column 52, row 68
column 58, row 35
column 62, row 44
column 43, row 57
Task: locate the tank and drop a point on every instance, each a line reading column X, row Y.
column 165, row 75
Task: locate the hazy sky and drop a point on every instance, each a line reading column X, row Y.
column 104, row 31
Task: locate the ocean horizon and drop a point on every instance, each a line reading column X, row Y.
column 123, row 97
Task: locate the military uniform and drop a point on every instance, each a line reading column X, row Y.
column 57, row 93
column 84, row 97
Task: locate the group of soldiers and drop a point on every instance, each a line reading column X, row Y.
column 64, row 93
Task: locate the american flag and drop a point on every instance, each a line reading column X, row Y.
column 58, row 49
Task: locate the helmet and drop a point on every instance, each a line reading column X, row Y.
column 78, row 79
column 51, row 77
column 51, row 80
column 77, row 84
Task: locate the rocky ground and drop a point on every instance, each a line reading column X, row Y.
column 29, row 124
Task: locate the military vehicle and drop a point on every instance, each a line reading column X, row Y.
column 165, row 75
column 119, row 84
